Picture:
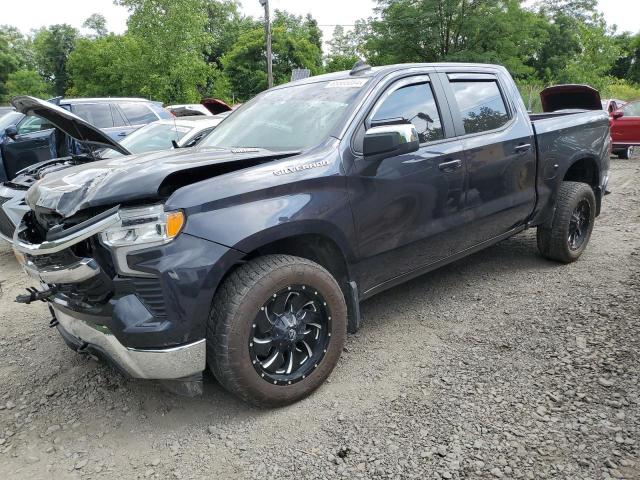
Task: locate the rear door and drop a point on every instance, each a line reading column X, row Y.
column 137, row 114
column 626, row 129
column 35, row 142
column 499, row 152
column 408, row 208
column 99, row 115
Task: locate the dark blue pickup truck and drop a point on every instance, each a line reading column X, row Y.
column 251, row 253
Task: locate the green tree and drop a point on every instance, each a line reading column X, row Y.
column 27, row 82
column 52, row 46
column 342, row 51
column 171, row 36
column 97, row 23
column 497, row 31
column 294, row 46
column 20, row 46
column 627, row 65
column 8, row 65
column 106, row 66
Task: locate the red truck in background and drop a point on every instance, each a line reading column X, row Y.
column 625, row 129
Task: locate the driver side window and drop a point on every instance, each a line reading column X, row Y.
column 416, row 104
column 33, row 124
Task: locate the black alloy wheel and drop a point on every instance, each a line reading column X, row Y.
column 579, row 225
column 290, row 334
column 276, row 330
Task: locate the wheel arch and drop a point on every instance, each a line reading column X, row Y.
column 585, row 170
column 316, row 242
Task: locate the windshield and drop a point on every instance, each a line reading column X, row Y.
column 9, row 119
column 152, row 137
column 292, row 118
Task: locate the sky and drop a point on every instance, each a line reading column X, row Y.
column 328, row 13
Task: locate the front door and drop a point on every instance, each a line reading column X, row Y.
column 35, row 142
column 408, row 208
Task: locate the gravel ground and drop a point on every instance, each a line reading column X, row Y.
column 502, row 365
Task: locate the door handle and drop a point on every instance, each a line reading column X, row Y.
column 523, row 148
column 450, row 165
column 122, row 134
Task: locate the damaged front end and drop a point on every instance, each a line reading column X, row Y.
column 108, row 299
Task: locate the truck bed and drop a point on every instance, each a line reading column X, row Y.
column 563, row 137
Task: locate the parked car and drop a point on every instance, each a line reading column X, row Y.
column 251, row 252
column 4, row 110
column 611, row 105
column 625, row 130
column 34, row 139
column 160, row 135
column 9, row 119
column 208, row 107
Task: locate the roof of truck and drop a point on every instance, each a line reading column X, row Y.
column 386, row 69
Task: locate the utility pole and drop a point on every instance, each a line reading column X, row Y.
column 267, row 31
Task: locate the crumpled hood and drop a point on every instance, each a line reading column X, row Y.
column 66, row 121
column 126, row 180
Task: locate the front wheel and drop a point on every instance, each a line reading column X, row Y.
column 276, row 330
column 572, row 224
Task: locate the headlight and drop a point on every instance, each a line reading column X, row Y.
column 144, row 225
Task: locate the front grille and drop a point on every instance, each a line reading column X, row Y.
column 149, row 291
column 6, row 226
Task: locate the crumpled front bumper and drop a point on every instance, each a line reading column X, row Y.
column 154, row 364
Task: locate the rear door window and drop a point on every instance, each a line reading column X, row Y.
column 97, row 114
column 118, row 119
column 481, row 105
column 138, row 113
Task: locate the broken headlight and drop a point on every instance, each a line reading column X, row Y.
column 143, row 226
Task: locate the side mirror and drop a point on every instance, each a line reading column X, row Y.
column 617, row 114
column 11, row 132
column 390, row 140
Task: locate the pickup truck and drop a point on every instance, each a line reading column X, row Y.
column 250, row 254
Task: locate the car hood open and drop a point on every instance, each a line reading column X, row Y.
column 569, row 97
column 145, row 177
column 66, row 121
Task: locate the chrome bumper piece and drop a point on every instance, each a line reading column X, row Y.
column 55, row 246
column 78, row 272
column 162, row 364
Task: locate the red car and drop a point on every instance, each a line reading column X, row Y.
column 625, row 129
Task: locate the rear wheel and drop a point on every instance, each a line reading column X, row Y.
column 276, row 330
column 569, row 233
column 627, row 153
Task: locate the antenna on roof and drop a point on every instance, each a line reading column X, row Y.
column 360, row 67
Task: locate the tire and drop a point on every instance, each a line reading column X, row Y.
column 236, row 309
column 555, row 242
column 626, row 154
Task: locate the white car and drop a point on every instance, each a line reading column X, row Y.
column 161, row 135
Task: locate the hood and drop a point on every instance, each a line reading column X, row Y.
column 66, row 121
column 148, row 177
column 216, row 106
column 569, row 97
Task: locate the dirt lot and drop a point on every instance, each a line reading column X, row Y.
column 502, row 365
